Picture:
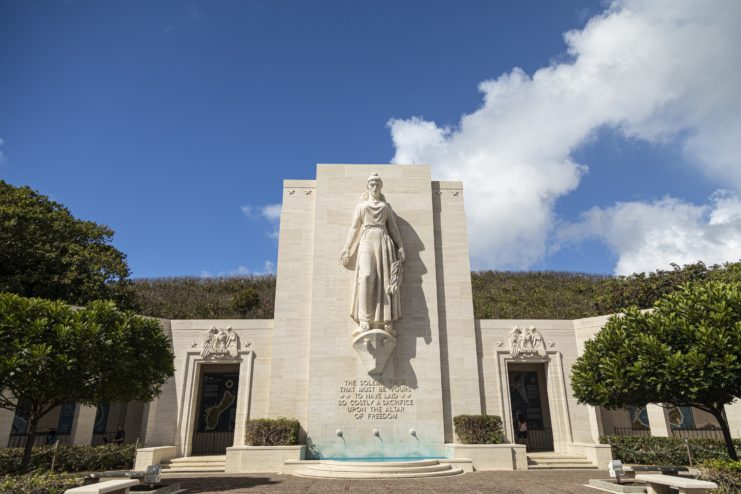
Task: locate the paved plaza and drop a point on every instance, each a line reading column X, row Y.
column 526, row 482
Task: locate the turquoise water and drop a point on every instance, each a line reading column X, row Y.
column 389, row 459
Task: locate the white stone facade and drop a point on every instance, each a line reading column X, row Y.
column 302, row 364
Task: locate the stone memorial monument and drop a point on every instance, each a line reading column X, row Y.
column 373, row 348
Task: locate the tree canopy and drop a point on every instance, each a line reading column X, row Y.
column 51, row 353
column 46, row 252
column 684, row 352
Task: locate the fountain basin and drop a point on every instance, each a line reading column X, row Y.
column 385, row 459
column 405, row 469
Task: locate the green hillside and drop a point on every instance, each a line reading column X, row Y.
column 496, row 294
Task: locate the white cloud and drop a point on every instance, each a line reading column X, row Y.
column 268, row 267
column 649, row 236
column 660, row 70
column 271, row 211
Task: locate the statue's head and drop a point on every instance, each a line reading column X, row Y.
column 375, row 184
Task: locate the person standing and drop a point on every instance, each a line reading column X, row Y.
column 521, row 430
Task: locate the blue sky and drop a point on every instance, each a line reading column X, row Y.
column 611, row 149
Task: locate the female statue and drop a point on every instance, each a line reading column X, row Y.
column 376, row 301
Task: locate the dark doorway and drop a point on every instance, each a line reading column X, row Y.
column 216, row 411
column 529, row 400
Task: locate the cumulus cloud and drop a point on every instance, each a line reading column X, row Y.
column 664, row 71
column 268, row 267
column 269, row 212
column 649, row 236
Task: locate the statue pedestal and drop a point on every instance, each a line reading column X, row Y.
column 374, row 347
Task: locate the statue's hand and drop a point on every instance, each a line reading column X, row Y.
column 402, row 256
column 344, row 258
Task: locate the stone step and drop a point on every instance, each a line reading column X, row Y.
column 192, row 465
column 550, row 455
column 195, row 464
column 557, row 460
column 205, row 459
column 192, row 469
column 562, row 466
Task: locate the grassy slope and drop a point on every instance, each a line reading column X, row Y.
column 496, row 294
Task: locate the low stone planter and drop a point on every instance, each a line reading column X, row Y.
column 261, row 459
column 490, row 456
column 153, row 456
column 599, row 454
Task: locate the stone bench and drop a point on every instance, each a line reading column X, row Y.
column 107, row 487
column 150, row 476
column 660, row 484
column 629, row 471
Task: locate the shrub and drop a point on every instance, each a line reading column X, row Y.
column 245, row 301
column 648, row 450
column 272, row 432
column 70, row 458
column 725, row 473
column 38, row 483
column 479, row 429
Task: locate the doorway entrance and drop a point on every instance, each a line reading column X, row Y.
column 216, row 410
column 529, row 399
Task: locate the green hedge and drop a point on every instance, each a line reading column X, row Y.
column 725, row 473
column 70, row 458
column 648, row 450
column 38, row 483
column 272, row 432
column 479, row 429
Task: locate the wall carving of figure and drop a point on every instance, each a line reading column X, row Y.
column 524, row 342
column 220, row 343
column 374, row 236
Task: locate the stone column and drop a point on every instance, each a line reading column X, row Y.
column 82, row 429
column 595, row 423
column 657, row 420
column 243, row 397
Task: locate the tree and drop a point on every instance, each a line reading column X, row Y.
column 685, row 352
column 644, row 289
column 46, row 252
column 51, row 353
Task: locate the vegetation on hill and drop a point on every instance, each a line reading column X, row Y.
column 233, row 297
column 496, row 294
column 534, row 295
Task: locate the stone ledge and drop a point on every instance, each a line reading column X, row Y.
column 261, row 459
column 486, row 457
column 153, row 456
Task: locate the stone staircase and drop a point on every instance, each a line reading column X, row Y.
column 329, row 469
column 553, row 461
column 195, row 464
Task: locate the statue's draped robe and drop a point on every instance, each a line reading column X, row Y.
column 371, row 301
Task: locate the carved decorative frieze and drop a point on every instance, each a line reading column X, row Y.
column 526, row 342
column 220, row 343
